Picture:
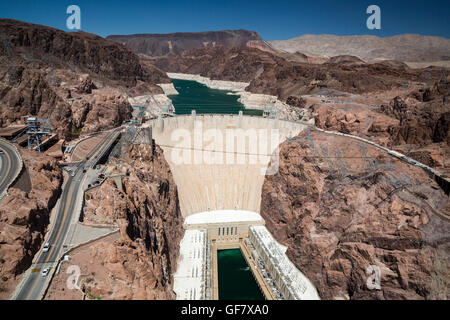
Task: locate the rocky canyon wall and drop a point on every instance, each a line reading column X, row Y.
column 80, row 81
column 25, row 215
column 140, row 262
column 341, row 206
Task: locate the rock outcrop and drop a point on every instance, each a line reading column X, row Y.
column 24, row 216
column 341, row 206
column 423, row 119
column 103, row 109
column 355, row 120
column 423, row 129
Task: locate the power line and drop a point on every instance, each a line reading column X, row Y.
column 270, row 155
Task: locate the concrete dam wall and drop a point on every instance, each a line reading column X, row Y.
column 219, row 161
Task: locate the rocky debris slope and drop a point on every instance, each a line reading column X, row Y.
column 24, row 216
column 174, row 43
column 341, row 206
column 405, row 47
column 141, row 263
column 50, row 73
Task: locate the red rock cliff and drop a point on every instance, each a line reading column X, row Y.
column 24, row 216
column 141, row 263
column 50, row 73
column 341, row 206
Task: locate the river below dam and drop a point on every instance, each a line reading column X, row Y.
column 236, row 280
column 196, row 96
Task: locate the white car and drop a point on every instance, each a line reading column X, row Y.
column 1, row 152
column 46, row 247
column 45, row 272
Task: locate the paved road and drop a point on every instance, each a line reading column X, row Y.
column 9, row 165
column 33, row 286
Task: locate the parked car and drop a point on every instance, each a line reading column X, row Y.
column 1, row 152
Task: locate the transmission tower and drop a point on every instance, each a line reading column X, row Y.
column 37, row 128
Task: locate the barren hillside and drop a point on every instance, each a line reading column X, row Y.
column 174, row 43
column 405, row 47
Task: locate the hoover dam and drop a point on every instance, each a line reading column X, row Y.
column 219, row 163
column 219, row 166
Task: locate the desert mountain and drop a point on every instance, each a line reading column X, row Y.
column 78, row 80
column 405, row 47
column 174, row 43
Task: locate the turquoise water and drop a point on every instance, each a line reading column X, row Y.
column 196, row 96
column 236, row 281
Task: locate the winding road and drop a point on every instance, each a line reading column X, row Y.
column 34, row 284
column 10, row 165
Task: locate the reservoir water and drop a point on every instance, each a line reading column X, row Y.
column 196, row 96
column 236, row 281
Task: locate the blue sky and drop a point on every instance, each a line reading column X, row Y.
column 274, row 20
